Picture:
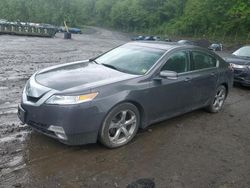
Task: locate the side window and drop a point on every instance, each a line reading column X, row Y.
column 177, row 62
column 202, row 60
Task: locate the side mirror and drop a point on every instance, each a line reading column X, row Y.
column 169, row 74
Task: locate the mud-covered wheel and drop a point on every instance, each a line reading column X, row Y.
column 120, row 125
column 219, row 100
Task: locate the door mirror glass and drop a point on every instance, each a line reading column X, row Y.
column 168, row 74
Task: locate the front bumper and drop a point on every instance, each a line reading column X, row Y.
column 80, row 122
column 242, row 76
column 71, row 124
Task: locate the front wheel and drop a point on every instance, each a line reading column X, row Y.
column 120, row 125
column 219, row 99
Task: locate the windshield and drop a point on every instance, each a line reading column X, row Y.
column 244, row 51
column 131, row 59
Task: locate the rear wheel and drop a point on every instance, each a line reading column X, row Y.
column 120, row 125
column 219, row 99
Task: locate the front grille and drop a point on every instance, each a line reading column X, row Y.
column 32, row 99
column 41, row 127
column 239, row 71
column 34, row 92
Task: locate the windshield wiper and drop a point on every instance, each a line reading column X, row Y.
column 104, row 64
column 93, row 60
column 110, row 66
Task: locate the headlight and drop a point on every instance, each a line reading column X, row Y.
column 59, row 99
column 239, row 66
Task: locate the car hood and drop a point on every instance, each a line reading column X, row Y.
column 230, row 58
column 79, row 75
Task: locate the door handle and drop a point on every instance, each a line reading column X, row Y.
column 187, row 79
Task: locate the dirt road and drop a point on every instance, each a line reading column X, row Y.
column 195, row 150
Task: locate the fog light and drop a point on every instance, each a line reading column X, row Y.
column 61, row 136
column 59, row 132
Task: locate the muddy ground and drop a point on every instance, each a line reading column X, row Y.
column 194, row 150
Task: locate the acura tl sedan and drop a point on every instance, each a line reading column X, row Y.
column 108, row 98
column 240, row 61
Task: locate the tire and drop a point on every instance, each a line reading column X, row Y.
column 120, row 125
column 218, row 100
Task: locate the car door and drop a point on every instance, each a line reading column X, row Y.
column 171, row 97
column 204, row 77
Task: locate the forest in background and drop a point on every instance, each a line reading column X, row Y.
column 166, row 17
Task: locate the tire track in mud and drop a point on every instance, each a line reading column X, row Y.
column 20, row 57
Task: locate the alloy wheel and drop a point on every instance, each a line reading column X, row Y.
column 219, row 99
column 122, row 126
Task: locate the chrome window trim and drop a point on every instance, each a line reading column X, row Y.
column 204, row 69
column 195, row 71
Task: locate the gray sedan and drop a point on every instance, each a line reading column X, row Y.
column 108, row 98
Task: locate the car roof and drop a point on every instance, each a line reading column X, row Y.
column 159, row 44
